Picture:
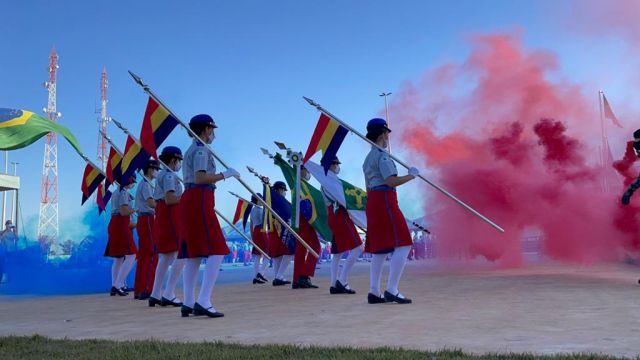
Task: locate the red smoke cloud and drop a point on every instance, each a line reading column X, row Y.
column 499, row 134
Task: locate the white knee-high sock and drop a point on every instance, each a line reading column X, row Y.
column 189, row 277
column 286, row 260
column 276, row 266
column 176, row 271
column 351, row 259
column 263, row 266
column 164, row 260
column 211, row 271
column 115, row 270
column 377, row 260
column 398, row 260
column 335, row 266
column 127, row 264
column 256, row 264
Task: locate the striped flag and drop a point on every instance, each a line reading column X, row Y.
column 114, row 170
column 91, row 179
column 327, row 137
column 102, row 198
column 156, row 127
column 133, row 159
column 243, row 210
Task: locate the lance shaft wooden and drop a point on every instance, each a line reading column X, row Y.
column 445, row 192
column 146, row 88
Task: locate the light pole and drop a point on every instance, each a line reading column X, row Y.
column 14, row 205
column 386, row 113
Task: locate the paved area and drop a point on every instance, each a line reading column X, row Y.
column 542, row 309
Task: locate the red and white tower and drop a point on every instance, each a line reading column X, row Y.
column 102, row 121
column 48, row 220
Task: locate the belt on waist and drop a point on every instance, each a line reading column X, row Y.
column 383, row 187
column 145, row 213
column 199, row 186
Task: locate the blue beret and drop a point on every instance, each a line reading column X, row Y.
column 279, row 185
column 202, row 119
column 172, row 151
column 377, row 123
column 152, row 164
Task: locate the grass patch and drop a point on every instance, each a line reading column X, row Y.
column 39, row 347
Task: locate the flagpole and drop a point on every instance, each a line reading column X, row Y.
column 148, row 90
column 106, row 137
column 242, row 234
column 449, row 195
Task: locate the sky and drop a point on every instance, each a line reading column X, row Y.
column 248, row 64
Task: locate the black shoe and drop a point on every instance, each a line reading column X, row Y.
column 305, row 283
column 153, row 302
column 126, row 290
column 136, row 296
column 278, row 282
column 333, row 290
column 166, row 302
column 374, row 299
column 344, row 288
column 144, row 296
column 295, row 285
column 257, row 280
column 115, row 291
column 261, row 277
column 185, row 311
column 198, row 310
column 389, row 297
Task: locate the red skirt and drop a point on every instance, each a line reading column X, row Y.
column 167, row 227
column 260, row 239
column 146, row 235
column 120, row 237
column 201, row 235
column 276, row 246
column 345, row 235
column 386, row 226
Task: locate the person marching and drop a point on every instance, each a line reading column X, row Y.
column 259, row 238
column 304, row 263
column 345, row 238
column 278, row 251
column 167, row 227
column 147, row 257
column 387, row 230
column 201, row 234
column 120, row 245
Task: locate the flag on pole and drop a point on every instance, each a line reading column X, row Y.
column 134, row 158
column 20, row 128
column 113, row 170
column 313, row 196
column 156, row 127
column 243, row 210
column 91, row 179
column 347, row 195
column 102, row 198
column 608, row 113
column 327, row 137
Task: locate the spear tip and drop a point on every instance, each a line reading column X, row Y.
column 311, row 102
column 136, row 78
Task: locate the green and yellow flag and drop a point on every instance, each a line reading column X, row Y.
column 21, row 128
column 319, row 215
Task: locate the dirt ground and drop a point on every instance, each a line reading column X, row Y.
column 541, row 309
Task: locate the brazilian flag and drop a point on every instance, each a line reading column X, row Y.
column 21, row 128
column 319, row 214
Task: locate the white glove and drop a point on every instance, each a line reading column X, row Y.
column 413, row 171
column 231, row 172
